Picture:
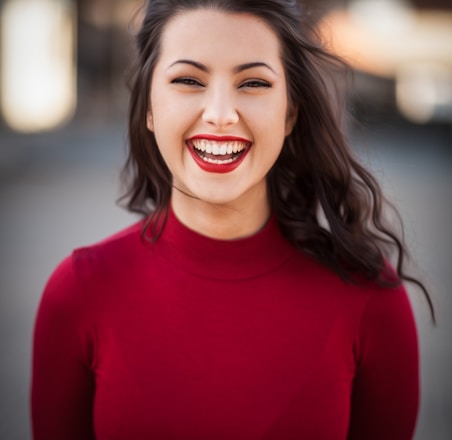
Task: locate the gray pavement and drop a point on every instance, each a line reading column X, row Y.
column 58, row 191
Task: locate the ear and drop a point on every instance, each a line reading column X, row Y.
column 291, row 118
column 149, row 121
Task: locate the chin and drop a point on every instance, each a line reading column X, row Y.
column 216, row 200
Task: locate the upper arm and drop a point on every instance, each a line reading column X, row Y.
column 62, row 380
column 385, row 395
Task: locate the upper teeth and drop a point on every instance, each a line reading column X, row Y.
column 219, row 148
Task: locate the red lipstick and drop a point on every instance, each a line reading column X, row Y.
column 214, row 137
column 218, row 163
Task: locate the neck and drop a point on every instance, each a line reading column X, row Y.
column 221, row 221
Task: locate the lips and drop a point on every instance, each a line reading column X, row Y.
column 218, row 154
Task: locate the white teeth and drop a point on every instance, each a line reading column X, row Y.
column 217, row 161
column 218, row 148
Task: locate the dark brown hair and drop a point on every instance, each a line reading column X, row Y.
column 316, row 174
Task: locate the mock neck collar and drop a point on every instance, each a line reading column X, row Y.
column 223, row 259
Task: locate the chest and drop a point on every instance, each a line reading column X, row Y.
column 251, row 360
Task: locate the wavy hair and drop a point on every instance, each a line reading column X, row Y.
column 326, row 203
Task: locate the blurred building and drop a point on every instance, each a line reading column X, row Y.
column 401, row 52
column 399, row 49
column 62, row 59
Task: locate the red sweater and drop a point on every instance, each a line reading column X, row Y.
column 194, row 338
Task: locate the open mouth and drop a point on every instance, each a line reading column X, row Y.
column 218, row 155
column 218, row 152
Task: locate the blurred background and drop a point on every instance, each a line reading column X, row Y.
column 63, row 137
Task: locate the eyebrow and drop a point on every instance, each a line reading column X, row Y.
column 237, row 69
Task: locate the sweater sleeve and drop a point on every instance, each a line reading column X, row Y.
column 386, row 389
column 62, row 383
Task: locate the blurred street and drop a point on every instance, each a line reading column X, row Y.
column 58, row 191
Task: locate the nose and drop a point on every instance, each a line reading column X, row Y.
column 219, row 107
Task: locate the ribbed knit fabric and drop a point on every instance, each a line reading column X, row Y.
column 201, row 339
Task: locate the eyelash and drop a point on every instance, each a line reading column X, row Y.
column 187, row 81
column 254, row 84
column 191, row 82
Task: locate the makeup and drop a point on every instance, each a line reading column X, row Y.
column 218, row 154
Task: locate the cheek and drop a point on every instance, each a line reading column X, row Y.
column 273, row 111
column 170, row 155
column 174, row 116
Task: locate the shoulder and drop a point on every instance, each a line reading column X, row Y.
column 372, row 294
column 89, row 266
column 117, row 250
column 386, row 307
column 364, row 305
column 387, row 326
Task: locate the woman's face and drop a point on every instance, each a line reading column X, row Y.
column 218, row 105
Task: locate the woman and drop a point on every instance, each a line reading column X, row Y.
column 232, row 311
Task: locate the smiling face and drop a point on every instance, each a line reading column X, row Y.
column 218, row 107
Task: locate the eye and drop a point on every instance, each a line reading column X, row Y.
column 255, row 83
column 187, row 81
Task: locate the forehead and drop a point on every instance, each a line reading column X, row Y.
column 212, row 32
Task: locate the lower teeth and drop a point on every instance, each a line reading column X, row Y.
column 217, row 161
column 205, row 158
